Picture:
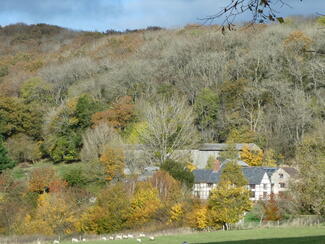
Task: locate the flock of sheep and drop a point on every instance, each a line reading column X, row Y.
column 117, row 237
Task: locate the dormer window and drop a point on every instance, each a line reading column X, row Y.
column 281, row 176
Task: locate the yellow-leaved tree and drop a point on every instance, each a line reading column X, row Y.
column 113, row 160
column 227, row 204
column 176, row 213
column 198, row 219
column 252, row 157
column 258, row 157
column 229, row 201
column 110, row 212
column 53, row 215
column 144, row 203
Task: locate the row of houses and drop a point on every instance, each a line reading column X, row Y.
column 262, row 181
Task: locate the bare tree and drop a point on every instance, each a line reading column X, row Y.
column 170, row 126
column 96, row 140
column 261, row 11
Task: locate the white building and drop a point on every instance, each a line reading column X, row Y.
column 262, row 181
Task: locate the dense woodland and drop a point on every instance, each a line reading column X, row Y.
column 74, row 105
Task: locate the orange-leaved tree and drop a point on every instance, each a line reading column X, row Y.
column 40, row 179
column 113, row 160
column 118, row 116
column 272, row 209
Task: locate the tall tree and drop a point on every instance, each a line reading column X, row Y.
column 206, row 108
column 309, row 189
column 230, row 199
column 232, row 173
column 170, row 126
column 227, row 204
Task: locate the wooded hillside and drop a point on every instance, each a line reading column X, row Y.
column 81, row 97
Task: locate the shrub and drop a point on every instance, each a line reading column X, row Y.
column 5, row 161
column 75, row 176
column 4, row 70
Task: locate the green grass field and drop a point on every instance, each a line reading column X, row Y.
column 257, row 236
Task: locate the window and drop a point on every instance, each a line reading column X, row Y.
column 197, row 193
column 252, row 186
column 252, row 195
column 264, row 186
column 210, row 184
column 281, row 176
column 282, row 185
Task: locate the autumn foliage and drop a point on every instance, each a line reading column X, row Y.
column 143, row 204
column 257, row 157
column 53, row 215
column 118, row 116
column 113, row 161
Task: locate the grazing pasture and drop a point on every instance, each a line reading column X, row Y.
column 256, row 236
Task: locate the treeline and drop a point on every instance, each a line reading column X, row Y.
column 87, row 100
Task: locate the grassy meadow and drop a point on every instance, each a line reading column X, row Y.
column 255, row 236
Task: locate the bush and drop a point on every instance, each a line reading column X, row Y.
column 75, row 176
column 5, row 161
column 3, row 70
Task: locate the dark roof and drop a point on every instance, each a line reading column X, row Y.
column 291, row 171
column 254, row 175
column 224, row 146
column 270, row 171
column 205, row 176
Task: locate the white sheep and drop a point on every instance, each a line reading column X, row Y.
column 111, row 238
column 118, row 237
column 151, row 238
column 124, row 236
column 84, row 239
column 74, row 240
column 103, row 238
column 130, row 236
column 139, row 240
column 142, row 235
column 56, row 242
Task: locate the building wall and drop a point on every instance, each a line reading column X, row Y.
column 279, row 178
column 202, row 190
column 262, row 190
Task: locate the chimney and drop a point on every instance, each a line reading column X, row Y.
column 216, row 165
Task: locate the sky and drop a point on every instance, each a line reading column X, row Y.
column 100, row 15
